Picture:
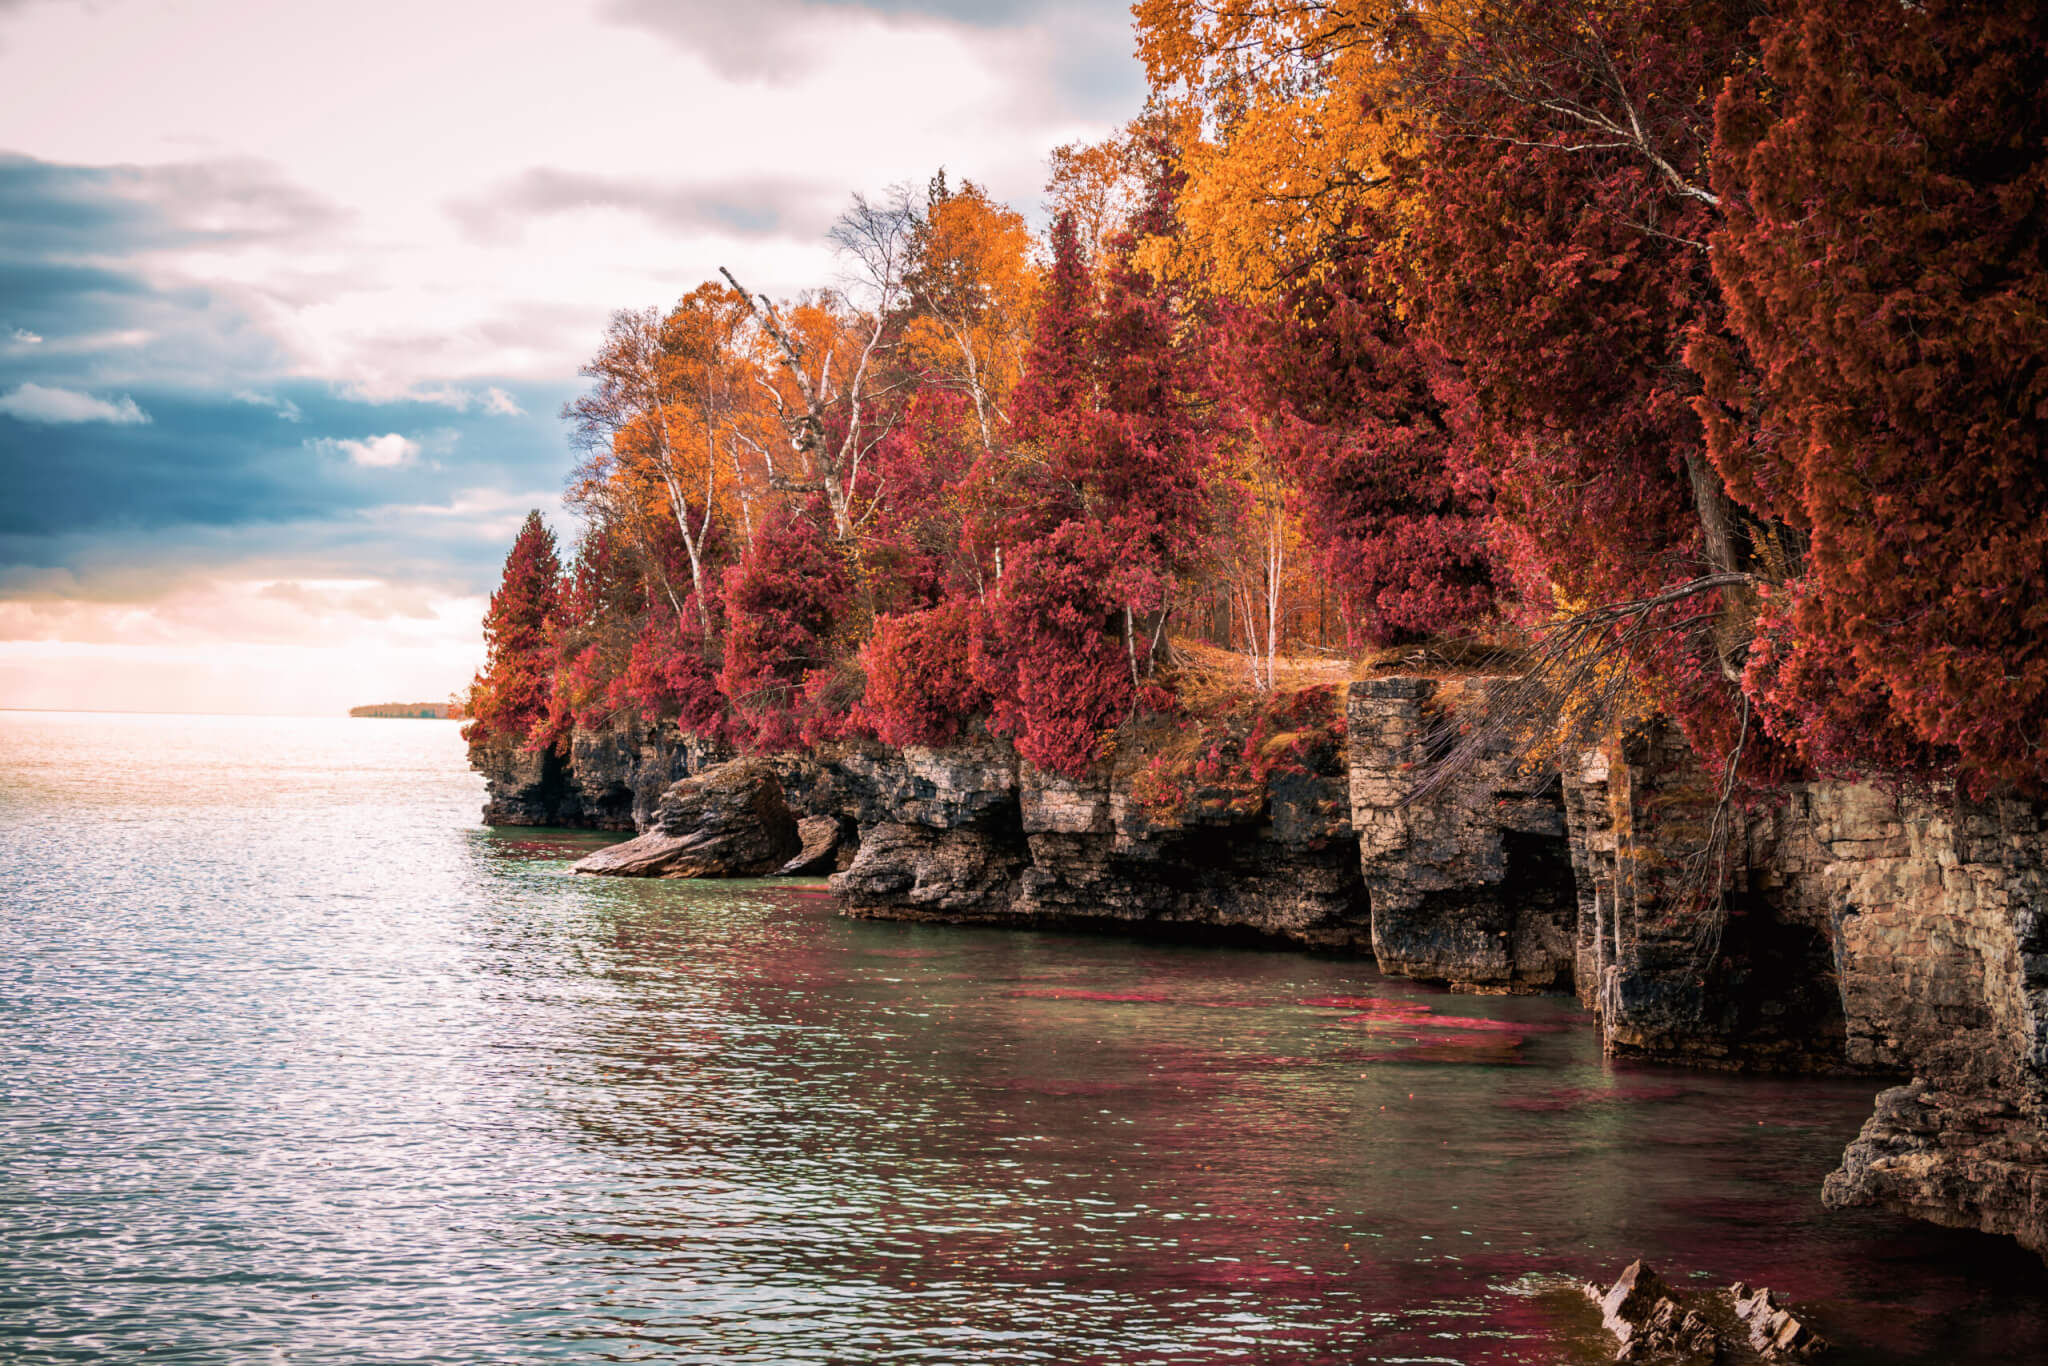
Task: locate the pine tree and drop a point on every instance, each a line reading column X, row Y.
column 512, row 693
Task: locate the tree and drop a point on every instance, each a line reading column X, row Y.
column 670, row 395
column 511, row 695
column 1560, row 267
column 1885, row 174
column 827, row 354
column 969, row 285
column 921, row 681
column 1347, row 401
column 783, row 600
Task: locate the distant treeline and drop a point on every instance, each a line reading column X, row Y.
column 426, row 711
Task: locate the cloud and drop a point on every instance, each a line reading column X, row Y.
column 24, row 337
column 498, row 403
column 494, row 400
column 283, row 407
column 373, row 452
column 1080, row 49
column 764, row 206
column 30, row 402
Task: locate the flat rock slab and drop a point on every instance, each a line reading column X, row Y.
column 729, row 821
column 654, row 854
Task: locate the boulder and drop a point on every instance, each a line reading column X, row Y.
column 729, row 821
column 913, row 872
column 820, row 837
column 1643, row 1314
column 1774, row 1332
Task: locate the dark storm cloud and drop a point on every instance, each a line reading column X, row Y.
column 751, row 208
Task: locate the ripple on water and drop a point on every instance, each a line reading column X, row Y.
column 299, row 1064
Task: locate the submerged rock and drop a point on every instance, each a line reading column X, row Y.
column 728, row 822
column 1643, row 1314
column 1774, row 1333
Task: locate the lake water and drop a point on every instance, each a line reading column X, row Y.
column 299, row 1063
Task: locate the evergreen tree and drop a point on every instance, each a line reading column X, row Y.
column 512, row 693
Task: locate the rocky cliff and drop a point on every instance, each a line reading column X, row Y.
column 1861, row 931
column 610, row 779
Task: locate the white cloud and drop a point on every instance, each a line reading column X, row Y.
column 33, row 402
column 26, row 337
column 502, row 404
column 283, row 407
column 385, row 452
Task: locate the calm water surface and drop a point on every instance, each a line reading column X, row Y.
column 298, row 1063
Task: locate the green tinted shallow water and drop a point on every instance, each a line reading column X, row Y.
column 299, row 1064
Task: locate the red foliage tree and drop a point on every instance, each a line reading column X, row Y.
column 511, row 696
column 1559, row 267
column 669, row 674
column 921, row 683
column 1110, row 409
column 1050, row 658
column 782, row 601
column 1886, row 177
column 1342, row 395
column 917, row 553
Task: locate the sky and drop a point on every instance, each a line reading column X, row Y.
column 291, row 295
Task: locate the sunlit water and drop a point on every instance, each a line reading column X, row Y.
column 298, row 1063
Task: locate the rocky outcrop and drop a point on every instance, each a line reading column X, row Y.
column 729, row 822
column 966, row 836
column 522, row 786
column 1941, row 913
column 1676, row 972
column 1471, row 886
column 1774, row 1332
column 1648, row 1321
column 825, row 845
column 1860, row 930
column 1865, row 931
column 919, row 872
column 606, row 779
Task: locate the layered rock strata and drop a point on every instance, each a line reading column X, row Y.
column 730, row 821
column 609, row 779
column 1861, row 930
column 970, row 834
column 1676, row 972
column 1472, row 886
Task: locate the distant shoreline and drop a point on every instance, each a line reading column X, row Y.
column 409, row 711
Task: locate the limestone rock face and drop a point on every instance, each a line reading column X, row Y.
column 1472, row 886
column 916, row 872
column 820, row 838
column 608, row 779
column 521, row 787
column 1270, row 860
column 618, row 775
column 730, row 821
column 970, row 784
column 1035, row 848
column 1865, row 931
column 1746, row 979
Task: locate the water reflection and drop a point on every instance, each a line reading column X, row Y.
column 300, row 1065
